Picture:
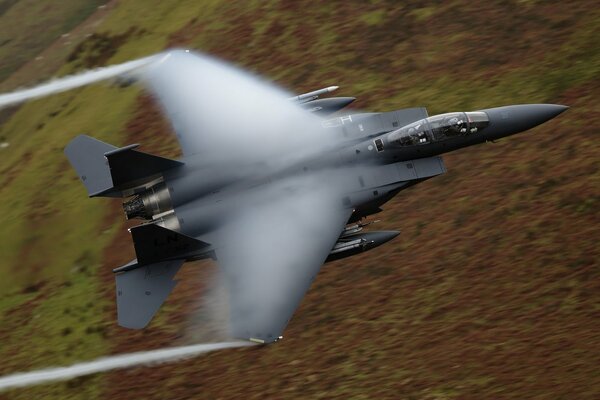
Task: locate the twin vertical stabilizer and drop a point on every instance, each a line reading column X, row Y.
column 108, row 171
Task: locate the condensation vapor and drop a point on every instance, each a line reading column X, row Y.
column 281, row 218
column 114, row 362
column 274, row 246
column 228, row 115
column 208, row 320
column 72, row 81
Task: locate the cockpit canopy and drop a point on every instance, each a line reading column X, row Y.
column 439, row 127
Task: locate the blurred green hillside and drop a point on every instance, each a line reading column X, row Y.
column 492, row 291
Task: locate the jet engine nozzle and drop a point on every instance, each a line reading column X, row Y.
column 135, row 208
column 508, row 120
column 156, row 200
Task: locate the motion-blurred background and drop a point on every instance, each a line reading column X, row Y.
column 490, row 292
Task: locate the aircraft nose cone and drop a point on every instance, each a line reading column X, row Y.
column 508, row 120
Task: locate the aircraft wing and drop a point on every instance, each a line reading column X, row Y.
column 272, row 251
column 223, row 113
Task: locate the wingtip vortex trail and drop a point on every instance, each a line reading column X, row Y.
column 69, row 82
column 119, row 361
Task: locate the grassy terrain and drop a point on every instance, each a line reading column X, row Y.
column 28, row 26
column 491, row 291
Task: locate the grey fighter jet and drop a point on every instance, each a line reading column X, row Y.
column 271, row 186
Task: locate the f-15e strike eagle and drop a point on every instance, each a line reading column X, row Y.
column 270, row 186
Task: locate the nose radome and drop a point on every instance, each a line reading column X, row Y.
column 509, row 120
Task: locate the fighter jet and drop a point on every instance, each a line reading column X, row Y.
column 270, row 186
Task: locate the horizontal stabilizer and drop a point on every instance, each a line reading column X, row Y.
column 141, row 291
column 128, row 166
column 153, row 244
column 108, row 171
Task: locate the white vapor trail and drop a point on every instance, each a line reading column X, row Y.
column 113, row 362
column 72, row 81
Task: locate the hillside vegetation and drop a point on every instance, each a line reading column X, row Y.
column 492, row 291
column 28, row 26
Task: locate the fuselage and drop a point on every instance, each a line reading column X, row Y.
column 374, row 156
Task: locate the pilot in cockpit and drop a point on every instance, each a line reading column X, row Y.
column 455, row 125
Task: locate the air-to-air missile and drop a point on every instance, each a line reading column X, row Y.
column 310, row 101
